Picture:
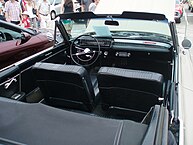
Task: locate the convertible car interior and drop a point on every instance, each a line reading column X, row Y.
column 109, row 84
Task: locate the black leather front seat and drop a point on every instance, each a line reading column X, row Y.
column 130, row 89
column 67, row 86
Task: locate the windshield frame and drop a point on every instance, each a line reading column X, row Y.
column 128, row 17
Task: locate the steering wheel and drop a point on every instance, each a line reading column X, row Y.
column 83, row 53
column 2, row 37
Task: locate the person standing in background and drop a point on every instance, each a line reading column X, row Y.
column 2, row 17
column 67, row 6
column 43, row 11
column 2, row 7
column 23, row 5
column 85, row 5
column 25, row 20
column 30, row 6
column 13, row 12
column 93, row 5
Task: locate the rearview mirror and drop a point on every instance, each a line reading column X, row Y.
column 186, row 44
column 111, row 22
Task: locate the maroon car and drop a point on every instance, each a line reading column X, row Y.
column 17, row 43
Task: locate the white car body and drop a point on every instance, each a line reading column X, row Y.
column 185, row 91
column 55, row 8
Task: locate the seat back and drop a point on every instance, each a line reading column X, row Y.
column 66, row 86
column 131, row 89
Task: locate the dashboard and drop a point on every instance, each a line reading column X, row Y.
column 125, row 44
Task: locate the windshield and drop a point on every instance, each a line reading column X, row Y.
column 123, row 28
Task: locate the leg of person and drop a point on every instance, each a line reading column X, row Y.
column 43, row 22
column 34, row 22
column 38, row 23
column 31, row 22
column 48, row 21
